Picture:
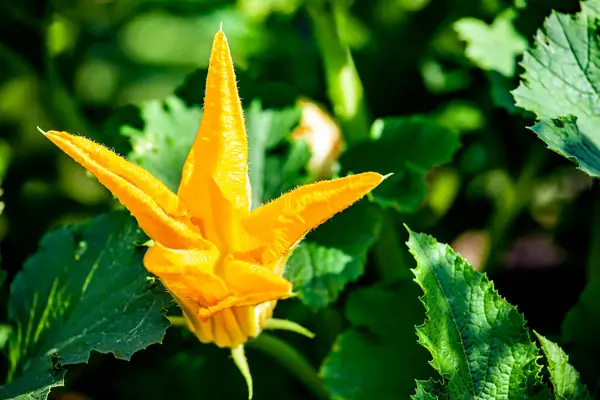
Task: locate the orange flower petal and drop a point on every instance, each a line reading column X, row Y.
column 244, row 278
column 232, row 327
column 158, row 210
column 188, row 274
column 277, row 226
column 241, row 301
column 220, row 151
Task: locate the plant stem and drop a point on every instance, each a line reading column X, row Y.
column 514, row 204
column 293, row 360
column 344, row 86
column 593, row 260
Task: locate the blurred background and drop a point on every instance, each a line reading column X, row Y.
column 80, row 65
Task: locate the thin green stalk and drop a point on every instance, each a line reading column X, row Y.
column 293, row 360
column 344, row 86
column 512, row 207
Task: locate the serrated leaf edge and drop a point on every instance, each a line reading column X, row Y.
column 428, row 318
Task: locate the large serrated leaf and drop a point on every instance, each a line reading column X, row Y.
column 407, row 146
column 563, row 376
column 429, row 390
column 33, row 387
column 334, row 255
column 561, row 85
column 478, row 341
column 85, row 289
column 378, row 357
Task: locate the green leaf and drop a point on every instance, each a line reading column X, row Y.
column 407, row 146
column 580, row 331
column 170, row 127
column 561, row 85
column 166, row 139
column 563, row 376
column 85, row 289
column 334, row 255
column 33, row 387
column 378, row 357
column 575, row 139
column 429, row 390
column 266, row 130
column 478, row 341
column 501, row 36
column 286, row 169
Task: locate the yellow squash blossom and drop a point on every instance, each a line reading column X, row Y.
column 221, row 261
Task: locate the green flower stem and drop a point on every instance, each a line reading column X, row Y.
column 239, row 357
column 285, row 325
column 344, row 86
column 176, row 320
column 512, row 206
column 291, row 358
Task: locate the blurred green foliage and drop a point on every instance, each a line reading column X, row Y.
column 108, row 69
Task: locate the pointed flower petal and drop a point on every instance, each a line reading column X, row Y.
column 220, row 151
column 277, row 226
column 158, row 210
column 188, row 274
column 208, row 284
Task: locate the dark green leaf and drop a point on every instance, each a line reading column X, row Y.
column 378, row 357
column 170, row 127
column 166, row 139
column 283, row 172
column 266, row 130
column 33, row 387
column 84, row 290
column 333, row 255
column 407, row 146
column 573, row 138
column 580, row 332
column 478, row 341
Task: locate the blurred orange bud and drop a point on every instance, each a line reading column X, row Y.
column 71, row 396
column 323, row 136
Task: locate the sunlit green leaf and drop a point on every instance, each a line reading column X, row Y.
column 560, row 85
column 478, row 341
column 492, row 47
column 429, row 390
column 563, row 376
